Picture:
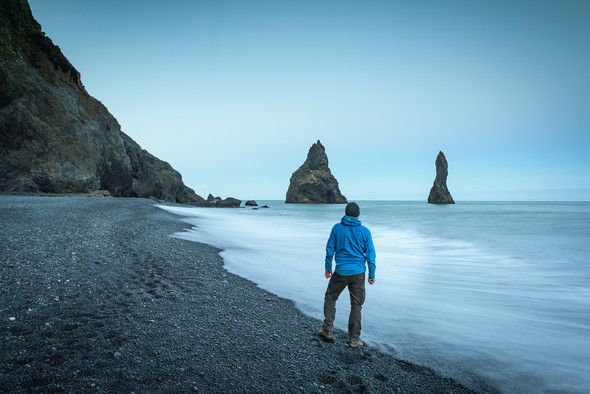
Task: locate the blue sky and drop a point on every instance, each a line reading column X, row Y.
column 233, row 93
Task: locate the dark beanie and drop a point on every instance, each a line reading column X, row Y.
column 352, row 209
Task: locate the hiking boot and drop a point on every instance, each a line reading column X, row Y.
column 325, row 335
column 355, row 343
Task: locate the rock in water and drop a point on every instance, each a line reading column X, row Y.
column 229, row 202
column 439, row 194
column 54, row 136
column 313, row 182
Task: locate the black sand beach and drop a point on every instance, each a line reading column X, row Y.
column 95, row 296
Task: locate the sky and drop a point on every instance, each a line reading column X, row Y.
column 233, row 93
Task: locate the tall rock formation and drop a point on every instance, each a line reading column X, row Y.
column 439, row 194
column 55, row 137
column 313, row 182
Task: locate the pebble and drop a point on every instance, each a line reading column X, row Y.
column 185, row 337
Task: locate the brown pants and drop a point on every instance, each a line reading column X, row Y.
column 356, row 288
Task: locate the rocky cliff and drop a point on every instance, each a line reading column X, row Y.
column 313, row 182
column 439, row 193
column 55, row 137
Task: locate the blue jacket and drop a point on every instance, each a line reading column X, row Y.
column 353, row 246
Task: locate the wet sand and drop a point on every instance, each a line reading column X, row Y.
column 96, row 296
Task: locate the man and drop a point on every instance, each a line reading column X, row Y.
column 352, row 244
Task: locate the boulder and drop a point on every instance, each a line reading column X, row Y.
column 313, row 182
column 439, row 193
column 100, row 193
column 229, row 202
column 251, row 203
column 54, row 136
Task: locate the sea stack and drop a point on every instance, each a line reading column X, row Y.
column 54, row 136
column 439, row 194
column 313, row 182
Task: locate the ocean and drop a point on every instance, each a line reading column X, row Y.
column 495, row 292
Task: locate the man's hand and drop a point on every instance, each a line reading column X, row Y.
column 371, row 281
column 328, row 274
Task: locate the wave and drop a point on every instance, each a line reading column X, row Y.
column 468, row 309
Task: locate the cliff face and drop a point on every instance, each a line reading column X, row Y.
column 55, row 137
column 439, row 193
column 313, row 182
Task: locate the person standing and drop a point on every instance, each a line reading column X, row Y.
column 351, row 246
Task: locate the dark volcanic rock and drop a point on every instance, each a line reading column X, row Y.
column 218, row 202
column 229, row 202
column 55, row 137
column 439, row 194
column 251, row 203
column 313, row 182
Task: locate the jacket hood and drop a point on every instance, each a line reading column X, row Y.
column 350, row 221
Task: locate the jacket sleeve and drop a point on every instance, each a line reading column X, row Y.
column 330, row 250
column 370, row 255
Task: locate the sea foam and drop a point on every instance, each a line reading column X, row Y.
column 461, row 289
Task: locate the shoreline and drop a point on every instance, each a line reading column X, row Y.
column 97, row 295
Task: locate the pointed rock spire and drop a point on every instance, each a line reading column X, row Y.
column 313, row 182
column 439, row 194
